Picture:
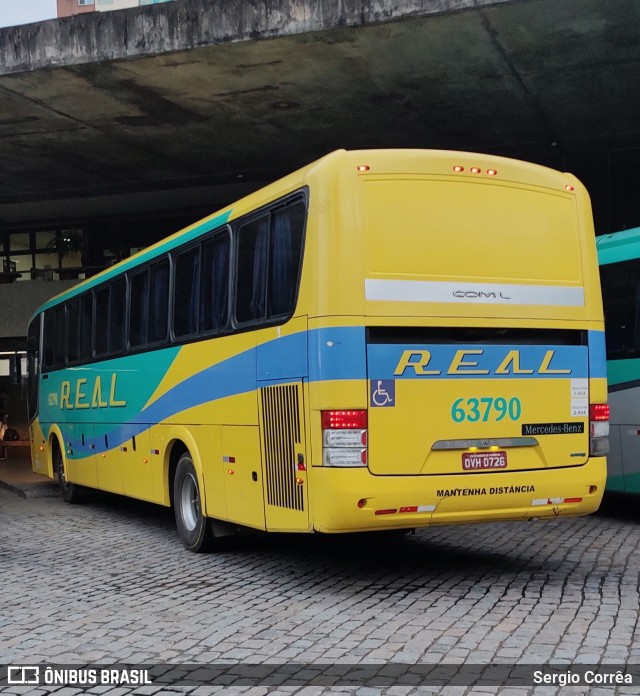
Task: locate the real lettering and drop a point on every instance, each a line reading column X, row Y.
column 75, row 395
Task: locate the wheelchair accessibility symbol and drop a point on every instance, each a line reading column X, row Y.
column 383, row 392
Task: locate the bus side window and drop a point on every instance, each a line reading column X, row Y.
column 54, row 337
column 79, row 319
column 138, row 304
column 73, row 330
column 33, row 352
column 186, row 292
column 48, row 339
column 214, row 288
column 102, row 321
column 86, row 319
column 117, row 305
column 285, row 257
column 634, row 347
column 253, row 239
column 621, row 299
column 158, row 314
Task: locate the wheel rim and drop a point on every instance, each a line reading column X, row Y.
column 61, row 478
column 189, row 502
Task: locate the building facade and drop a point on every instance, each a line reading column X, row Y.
column 108, row 5
column 71, row 7
column 67, row 8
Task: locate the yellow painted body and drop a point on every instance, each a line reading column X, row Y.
column 413, row 223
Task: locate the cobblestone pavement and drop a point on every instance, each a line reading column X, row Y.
column 109, row 582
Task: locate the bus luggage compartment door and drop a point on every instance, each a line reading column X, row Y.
column 476, row 408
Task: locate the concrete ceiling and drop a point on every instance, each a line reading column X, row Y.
column 185, row 106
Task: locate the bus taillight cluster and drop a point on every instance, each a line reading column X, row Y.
column 599, row 429
column 344, row 438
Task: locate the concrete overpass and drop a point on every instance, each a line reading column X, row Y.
column 173, row 110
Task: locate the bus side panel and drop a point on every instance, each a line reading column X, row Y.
column 624, row 458
column 204, row 445
column 41, row 461
column 80, row 460
column 242, row 471
column 615, row 471
column 137, row 463
column 109, row 469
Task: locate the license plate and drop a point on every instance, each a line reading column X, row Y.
column 480, row 461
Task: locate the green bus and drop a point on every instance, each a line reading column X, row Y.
column 619, row 259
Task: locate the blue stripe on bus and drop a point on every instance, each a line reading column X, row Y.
column 339, row 353
column 597, row 354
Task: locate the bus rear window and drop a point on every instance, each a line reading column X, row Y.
column 423, row 228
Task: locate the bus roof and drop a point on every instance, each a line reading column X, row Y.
column 618, row 246
column 407, row 160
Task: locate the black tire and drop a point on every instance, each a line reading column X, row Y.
column 70, row 492
column 193, row 528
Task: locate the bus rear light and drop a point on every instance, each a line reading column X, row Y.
column 599, row 446
column 344, row 456
column 458, row 168
column 345, row 420
column 569, row 187
column 599, row 412
column 388, row 511
column 475, row 170
column 599, row 429
column 363, row 167
column 492, row 172
column 344, row 438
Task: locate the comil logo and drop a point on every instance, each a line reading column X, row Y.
column 480, row 295
column 23, row 675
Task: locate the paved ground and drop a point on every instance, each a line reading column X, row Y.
column 109, row 582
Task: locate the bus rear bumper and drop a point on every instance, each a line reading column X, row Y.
column 351, row 500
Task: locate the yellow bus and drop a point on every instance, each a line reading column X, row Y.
column 382, row 340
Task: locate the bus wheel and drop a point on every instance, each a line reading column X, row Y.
column 193, row 527
column 70, row 492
